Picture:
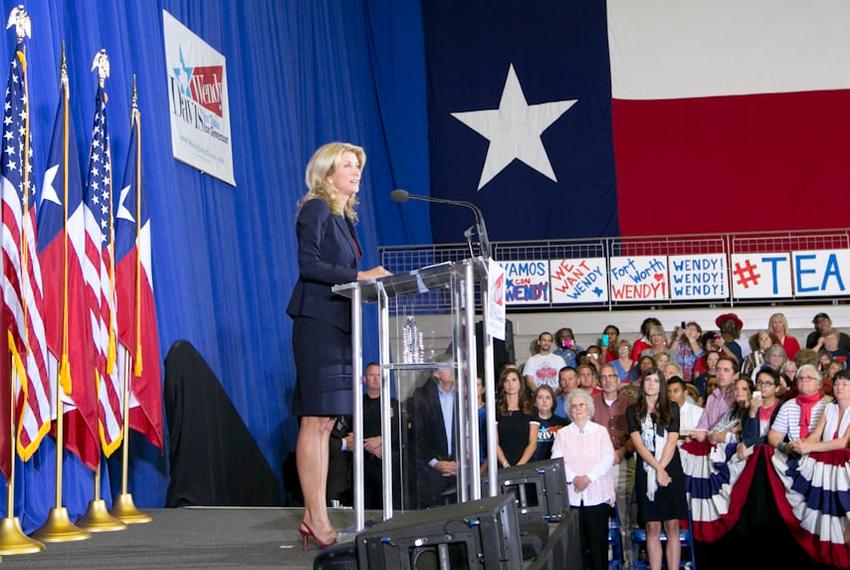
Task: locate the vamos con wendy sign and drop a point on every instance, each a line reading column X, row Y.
column 197, row 99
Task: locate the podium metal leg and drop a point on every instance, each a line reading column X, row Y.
column 357, row 394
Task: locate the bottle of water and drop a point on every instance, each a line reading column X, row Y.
column 412, row 351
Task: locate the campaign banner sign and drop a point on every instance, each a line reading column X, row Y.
column 582, row 280
column 639, row 278
column 822, row 272
column 759, row 275
column 496, row 316
column 196, row 77
column 698, row 276
column 526, row 282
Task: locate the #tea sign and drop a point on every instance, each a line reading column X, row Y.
column 583, row 280
column 639, row 278
column 819, row 273
column 698, row 276
column 760, row 275
column 526, row 282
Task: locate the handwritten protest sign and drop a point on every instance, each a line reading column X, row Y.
column 821, row 272
column 639, row 278
column 582, row 280
column 527, row 282
column 759, row 275
column 698, row 276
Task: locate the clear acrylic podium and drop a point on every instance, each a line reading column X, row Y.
column 406, row 353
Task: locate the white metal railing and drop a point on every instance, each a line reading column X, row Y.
column 405, row 258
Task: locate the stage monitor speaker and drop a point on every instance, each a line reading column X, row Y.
column 476, row 535
column 539, row 490
column 340, row 556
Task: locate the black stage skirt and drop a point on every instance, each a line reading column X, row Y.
column 323, row 366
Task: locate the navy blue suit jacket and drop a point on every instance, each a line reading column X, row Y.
column 327, row 256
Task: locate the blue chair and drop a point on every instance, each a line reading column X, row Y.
column 615, row 541
column 686, row 539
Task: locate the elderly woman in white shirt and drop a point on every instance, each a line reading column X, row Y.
column 833, row 428
column 588, row 455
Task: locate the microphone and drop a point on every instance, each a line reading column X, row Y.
column 401, row 196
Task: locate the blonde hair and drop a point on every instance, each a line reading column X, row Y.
column 781, row 318
column 322, row 164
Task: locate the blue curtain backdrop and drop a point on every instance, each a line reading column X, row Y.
column 300, row 73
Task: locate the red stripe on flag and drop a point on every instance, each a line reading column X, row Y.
column 728, row 164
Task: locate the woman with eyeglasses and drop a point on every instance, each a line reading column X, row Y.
column 798, row 416
column 588, row 456
column 763, row 407
column 833, row 428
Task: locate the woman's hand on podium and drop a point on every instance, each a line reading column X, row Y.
column 374, row 273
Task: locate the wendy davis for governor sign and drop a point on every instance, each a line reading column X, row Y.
column 197, row 100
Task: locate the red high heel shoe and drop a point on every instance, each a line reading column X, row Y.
column 307, row 533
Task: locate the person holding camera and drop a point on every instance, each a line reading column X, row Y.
column 566, row 346
column 687, row 347
column 763, row 408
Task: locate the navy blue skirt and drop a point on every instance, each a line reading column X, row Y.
column 323, row 386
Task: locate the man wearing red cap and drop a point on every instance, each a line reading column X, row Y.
column 730, row 330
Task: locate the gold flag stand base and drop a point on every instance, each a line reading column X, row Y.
column 124, row 509
column 98, row 519
column 14, row 541
column 59, row 528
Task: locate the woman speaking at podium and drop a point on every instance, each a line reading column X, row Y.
column 328, row 254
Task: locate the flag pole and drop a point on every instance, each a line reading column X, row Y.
column 97, row 517
column 123, row 507
column 12, row 537
column 58, row 527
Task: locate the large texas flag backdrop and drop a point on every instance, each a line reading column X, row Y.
column 568, row 118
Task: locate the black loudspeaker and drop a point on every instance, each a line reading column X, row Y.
column 340, row 556
column 539, row 490
column 563, row 547
column 477, row 535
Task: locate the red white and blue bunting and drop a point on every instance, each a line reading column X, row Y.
column 812, row 494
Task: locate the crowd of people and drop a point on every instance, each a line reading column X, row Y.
column 617, row 411
column 652, row 395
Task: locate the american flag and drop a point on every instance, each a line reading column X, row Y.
column 22, row 285
column 97, row 198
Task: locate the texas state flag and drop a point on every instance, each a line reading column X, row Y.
column 568, row 118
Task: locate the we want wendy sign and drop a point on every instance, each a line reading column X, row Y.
column 197, row 99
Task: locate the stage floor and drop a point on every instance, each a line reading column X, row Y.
column 193, row 537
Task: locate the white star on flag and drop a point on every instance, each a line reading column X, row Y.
column 48, row 192
column 514, row 130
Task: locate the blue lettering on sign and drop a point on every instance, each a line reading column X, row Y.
column 530, row 292
column 831, row 270
column 774, row 261
column 585, row 283
column 800, row 272
column 705, row 264
column 631, row 271
column 526, row 268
